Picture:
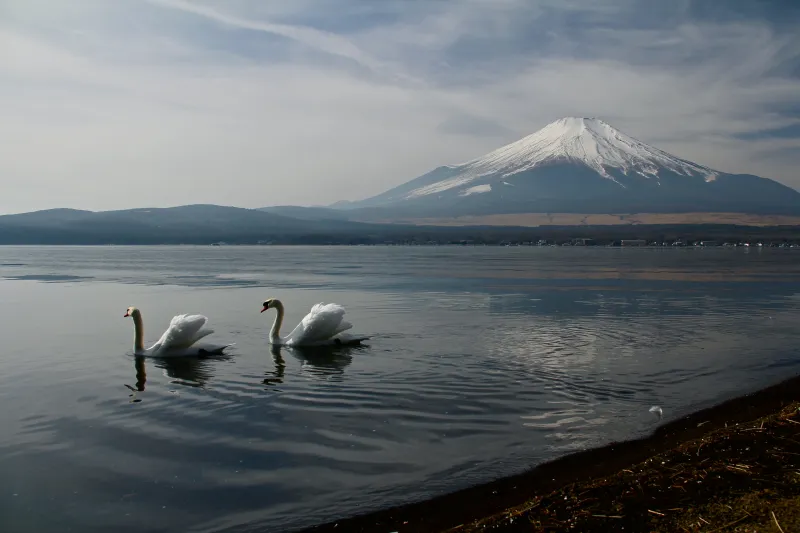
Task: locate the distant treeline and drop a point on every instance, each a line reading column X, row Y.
column 599, row 235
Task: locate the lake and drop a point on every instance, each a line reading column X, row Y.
column 483, row 362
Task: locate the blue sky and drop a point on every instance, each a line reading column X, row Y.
column 110, row 104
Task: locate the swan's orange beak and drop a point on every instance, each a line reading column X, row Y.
column 126, row 314
column 265, row 308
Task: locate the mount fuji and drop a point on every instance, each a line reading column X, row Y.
column 578, row 165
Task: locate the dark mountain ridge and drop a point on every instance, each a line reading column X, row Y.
column 201, row 224
column 210, row 224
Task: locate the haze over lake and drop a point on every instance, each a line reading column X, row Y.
column 484, row 361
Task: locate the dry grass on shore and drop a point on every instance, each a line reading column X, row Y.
column 739, row 478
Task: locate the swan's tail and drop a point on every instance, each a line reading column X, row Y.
column 215, row 350
column 350, row 339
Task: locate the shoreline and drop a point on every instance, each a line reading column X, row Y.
column 489, row 503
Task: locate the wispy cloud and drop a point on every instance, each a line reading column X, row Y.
column 164, row 102
column 328, row 42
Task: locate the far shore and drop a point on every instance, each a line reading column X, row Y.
column 733, row 465
column 534, row 220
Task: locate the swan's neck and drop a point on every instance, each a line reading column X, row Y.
column 138, row 333
column 275, row 332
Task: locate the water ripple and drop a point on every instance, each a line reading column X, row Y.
column 482, row 363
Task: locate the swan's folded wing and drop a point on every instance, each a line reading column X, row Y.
column 344, row 325
column 183, row 331
column 321, row 323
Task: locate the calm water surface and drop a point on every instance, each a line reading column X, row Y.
column 484, row 362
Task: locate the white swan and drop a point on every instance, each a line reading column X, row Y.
column 322, row 326
column 179, row 340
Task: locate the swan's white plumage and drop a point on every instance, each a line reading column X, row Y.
column 183, row 331
column 181, row 339
column 323, row 325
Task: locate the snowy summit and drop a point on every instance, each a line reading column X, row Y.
column 587, row 141
column 590, row 141
column 583, row 165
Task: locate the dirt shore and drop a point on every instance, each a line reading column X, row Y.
column 727, row 468
column 745, row 477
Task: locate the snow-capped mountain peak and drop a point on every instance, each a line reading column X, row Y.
column 587, row 141
column 579, row 165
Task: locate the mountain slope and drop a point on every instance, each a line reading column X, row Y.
column 580, row 165
column 306, row 213
column 191, row 224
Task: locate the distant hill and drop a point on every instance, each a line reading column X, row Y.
column 191, row 224
column 307, row 213
column 576, row 165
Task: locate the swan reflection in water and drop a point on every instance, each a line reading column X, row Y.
column 187, row 371
column 318, row 362
column 190, row 371
column 141, row 378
